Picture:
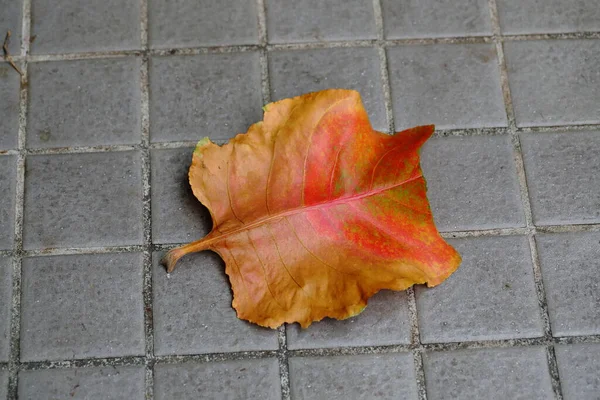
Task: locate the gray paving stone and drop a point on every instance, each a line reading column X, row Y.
column 316, row 21
column 110, row 383
column 82, row 306
column 511, row 373
column 384, row 322
column 368, row 376
column 570, row 263
column 11, row 18
column 9, row 108
column 84, row 103
column 449, row 85
column 548, row 16
column 77, row 200
column 185, row 23
column 3, row 384
column 214, row 95
column 297, row 72
column 233, row 380
column 562, row 175
column 193, row 313
column 554, row 82
column 5, row 306
column 177, row 216
column 578, row 366
column 490, row 296
column 472, row 182
column 8, row 175
column 435, row 18
column 78, row 26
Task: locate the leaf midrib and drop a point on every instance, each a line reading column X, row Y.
column 209, row 241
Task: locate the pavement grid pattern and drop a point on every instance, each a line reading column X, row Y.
column 96, row 137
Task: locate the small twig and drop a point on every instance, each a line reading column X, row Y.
column 7, row 55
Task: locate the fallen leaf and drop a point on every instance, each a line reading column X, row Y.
column 313, row 211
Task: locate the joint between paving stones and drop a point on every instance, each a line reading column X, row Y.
column 149, row 359
column 264, row 46
column 525, row 198
column 319, row 352
column 417, row 346
column 265, row 83
column 17, row 256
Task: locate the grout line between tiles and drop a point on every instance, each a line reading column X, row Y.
column 319, row 352
column 283, row 358
column 383, row 66
column 15, row 319
column 545, row 316
column 282, row 352
column 190, row 143
column 525, row 199
column 263, row 54
column 415, row 340
column 149, row 359
column 592, row 35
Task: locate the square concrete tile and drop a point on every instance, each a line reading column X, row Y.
column 385, row 321
column 214, row 95
column 548, row 16
column 490, row 296
column 188, row 23
column 234, row 380
column 9, row 108
column 562, row 175
column 11, row 18
column 297, row 72
column 449, row 85
column 87, row 199
column 435, row 18
column 472, row 182
column 511, row 373
column 554, row 82
column 84, row 103
column 3, row 384
column 82, row 306
column 193, row 313
column 110, row 383
column 316, row 21
column 8, row 176
column 79, row 26
column 177, row 216
column 5, row 306
column 570, row 264
column 368, row 376
column 578, row 366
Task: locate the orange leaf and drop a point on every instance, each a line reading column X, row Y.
column 313, row 211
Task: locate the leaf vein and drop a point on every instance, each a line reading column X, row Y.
column 229, row 196
column 264, row 271
column 312, row 132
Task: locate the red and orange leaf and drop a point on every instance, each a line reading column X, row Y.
column 313, row 211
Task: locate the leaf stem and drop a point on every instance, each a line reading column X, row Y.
column 172, row 256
